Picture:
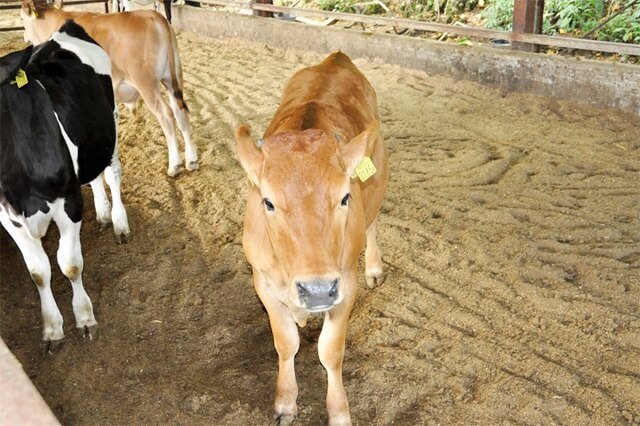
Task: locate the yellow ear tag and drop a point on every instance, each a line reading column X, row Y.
column 21, row 78
column 365, row 169
column 33, row 13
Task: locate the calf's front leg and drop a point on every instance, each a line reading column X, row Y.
column 287, row 343
column 331, row 346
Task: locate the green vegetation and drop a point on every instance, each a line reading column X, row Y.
column 576, row 17
column 572, row 17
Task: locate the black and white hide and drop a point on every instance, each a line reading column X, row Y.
column 58, row 130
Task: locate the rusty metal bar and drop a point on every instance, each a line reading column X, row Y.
column 263, row 13
column 562, row 42
column 527, row 19
column 16, row 5
column 566, row 42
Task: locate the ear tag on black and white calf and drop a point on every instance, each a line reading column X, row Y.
column 21, row 78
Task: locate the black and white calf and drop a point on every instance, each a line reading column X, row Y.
column 58, row 130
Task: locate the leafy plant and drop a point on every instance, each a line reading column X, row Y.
column 499, row 15
column 574, row 16
column 448, row 10
column 337, row 5
column 624, row 27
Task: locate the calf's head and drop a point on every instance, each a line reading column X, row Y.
column 312, row 212
column 36, row 29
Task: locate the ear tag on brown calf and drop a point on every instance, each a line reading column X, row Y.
column 365, row 169
column 33, row 13
column 260, row 142
column 21, row 78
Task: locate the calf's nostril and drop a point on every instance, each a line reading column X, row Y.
column 302, row 292
column 333, row 292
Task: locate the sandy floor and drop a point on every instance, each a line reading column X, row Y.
column 510, row 233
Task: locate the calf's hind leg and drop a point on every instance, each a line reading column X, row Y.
column 153, row 98
column 39, row 268
column 112, row 175
column 373, row 259
column 101, row 202
column 182, row 118
column 71, row 265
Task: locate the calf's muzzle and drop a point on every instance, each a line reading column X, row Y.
column 318, row 294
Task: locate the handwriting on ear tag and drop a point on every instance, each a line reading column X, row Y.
column 365, row 169
column 21, row 78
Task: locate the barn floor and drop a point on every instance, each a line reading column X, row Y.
column 510, row 233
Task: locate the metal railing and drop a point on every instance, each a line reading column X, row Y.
column 518, row 37
column 17, row 5
column 514, row 37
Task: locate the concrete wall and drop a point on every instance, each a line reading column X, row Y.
column 20, row 402
column 592, row 82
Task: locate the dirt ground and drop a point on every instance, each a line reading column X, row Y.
column 510, row 233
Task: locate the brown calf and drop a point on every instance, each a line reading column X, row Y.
column 307, row 217
column 144, row 53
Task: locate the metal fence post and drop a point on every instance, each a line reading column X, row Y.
column 263, row 13
column 527, row 18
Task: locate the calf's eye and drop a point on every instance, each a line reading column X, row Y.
column 345, row 200
column 268, row 204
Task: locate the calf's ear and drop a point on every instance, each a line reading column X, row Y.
column 250, row 155
column 28, row 8
column 359, row 147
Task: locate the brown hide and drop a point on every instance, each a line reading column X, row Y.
column 144, row 54
column 307, row 219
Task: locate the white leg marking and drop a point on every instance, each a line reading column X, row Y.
column 112, row 175
column 71, row 265
column 182, row 118
column 101, row 201
column 40, row 269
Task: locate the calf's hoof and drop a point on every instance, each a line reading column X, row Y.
column 374, row 280
column 174, row 171
column 104, row 223
column 193, row 165
column 285, row 419
column 89, row 332
column 52, row 346
column 123, row 238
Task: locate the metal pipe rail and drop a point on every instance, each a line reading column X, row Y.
column 565, row 42
column 9, row 5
